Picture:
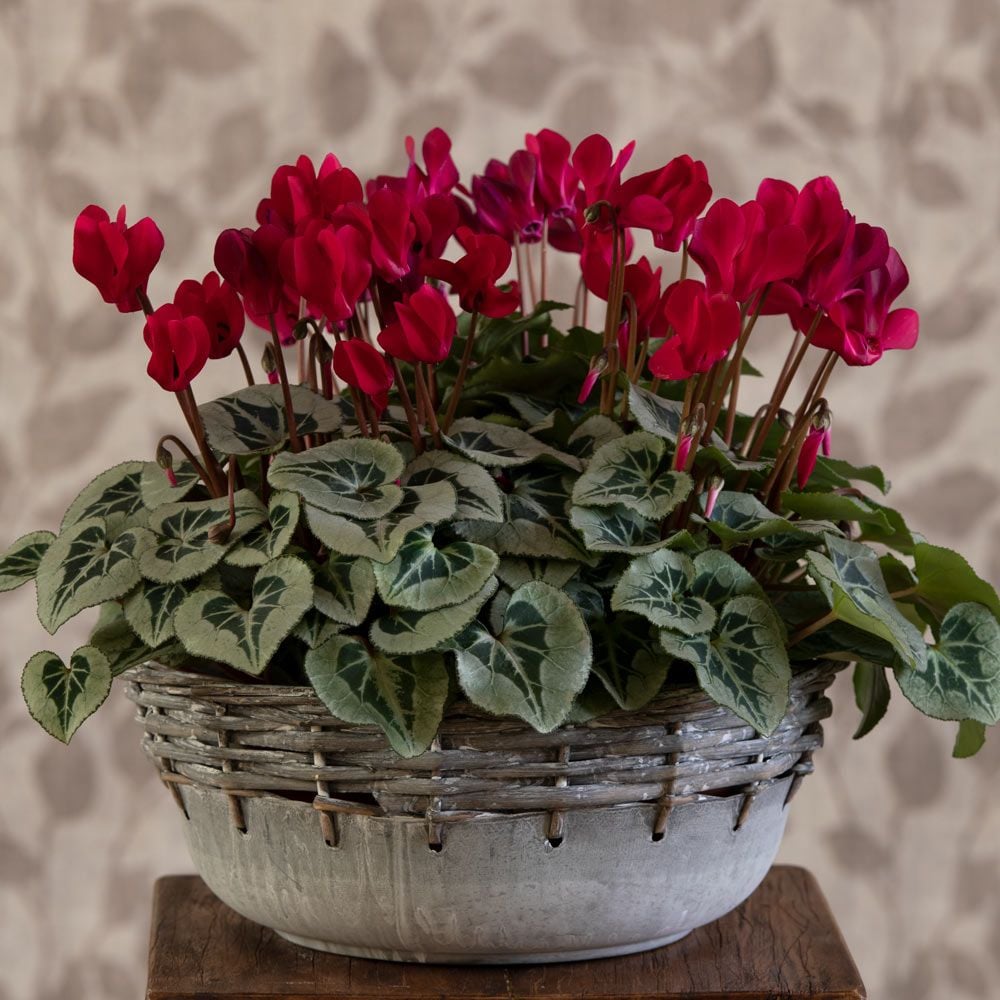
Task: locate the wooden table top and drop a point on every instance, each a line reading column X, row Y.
column 782, row 944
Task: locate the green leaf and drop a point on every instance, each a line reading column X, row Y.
column 743, row 664
column 315, row 628
column 118, row 642
column 424, row 577
column 355, row 478
column 213, row 626
column 616, row 529
column 116, row 491
column 516, row 572
column 88, row 564
column 970, row 739
column 406, row 632
column 19, row 563
column 630, row 666
column 381, row 539
column 871, row 694
column 834, row 507
column 404, row 696
column 345, row 588
column 155, row 488
column 944, row 579
column 183, row 549
column 536, row 523
column 718, row 577
column 495, row 446
column 657, row 586
column 625, row 471
column 595, row 431
column 655, row 414
column 495, row 336
column 272, row 539
column 150, row 609
column 835, row 473
column 962, row 677
column 852, row 582
column 587, row 598
column 741, row 517
column 253, row 419
column 536, row 666
column 478, row 496
column 61, row 698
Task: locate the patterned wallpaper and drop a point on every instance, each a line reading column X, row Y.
column 181, row 109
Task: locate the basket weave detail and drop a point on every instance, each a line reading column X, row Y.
column 250, row 739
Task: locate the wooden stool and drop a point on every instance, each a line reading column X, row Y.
column 781, row 943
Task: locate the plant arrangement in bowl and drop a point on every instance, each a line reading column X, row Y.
column 485, row 627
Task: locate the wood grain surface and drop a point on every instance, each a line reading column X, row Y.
column 782, row 944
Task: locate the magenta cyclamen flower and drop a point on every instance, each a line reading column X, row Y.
column 504, row 197
column 817, row 439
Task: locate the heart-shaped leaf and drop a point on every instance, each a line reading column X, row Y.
column 354, row 478
column 345, row 587
column 60, row 698
column 537, row 664
column 118, row 642
column 114, row 492
column 535, row 524
column 496, row 446
column 626, row 472
column 155, row 486
column 405, row 632
column 741, row 517
column 214, row 627
column 404, row 695
column 423, row 577
column 616, row 529
column 851, row 581
column 595, row 431
column 478, row 496
column 945, row 578
column 743, row 663
column 89, row 563
column 834, row 507
column 150, row 608
column 253, row 419
column 183, row 547
column 962, row 678
column 719, row 577
column 20, row 562
column 380, row 540
column 655, row 414
column 517, row 572
column 315, row 628
column 628, row 664
column 272, row 539
column 657, row 586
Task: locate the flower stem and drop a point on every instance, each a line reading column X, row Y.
column 411, row 416
column 424, row 392
column 245, row 361
column 286, row 391
column 188, row 454
column 456, row 389
column 212, row 468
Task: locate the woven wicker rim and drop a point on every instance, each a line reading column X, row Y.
column 253, row 739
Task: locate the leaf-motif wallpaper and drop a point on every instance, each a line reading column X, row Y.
column 181, row 109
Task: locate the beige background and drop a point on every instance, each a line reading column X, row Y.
column 181, row 110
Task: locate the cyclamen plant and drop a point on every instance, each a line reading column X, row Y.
column 551, row 523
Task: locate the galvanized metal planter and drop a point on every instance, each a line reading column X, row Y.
column 500, row 844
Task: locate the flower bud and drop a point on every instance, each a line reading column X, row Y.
column 715, row 485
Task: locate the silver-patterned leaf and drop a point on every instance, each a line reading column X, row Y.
column 59, row 697
column 658, row 587
column 114, row 492
column 655, row 414
column 213, row 626
column 19, row 563
column 962, row 679
column 497, row 446
column 405, row 632
column 743, row 663
column 595, row 431
column 741, row 517
column 89, row 563
column 537, row 664
column 424, row 577
column 478, row 496
column 183, row 548
column 156, row 489
column 344, row 588
column 150, row 608
column 315, row 628
column 536, row 523
column 719, row 577
column 117, row 640
column 253, row 419
column 851, row 581
column 354, row 478
column 616, row 529
column 626, row 472
column 380, row 540
column 270, row 540
column 628, row 664
column 404, row 695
